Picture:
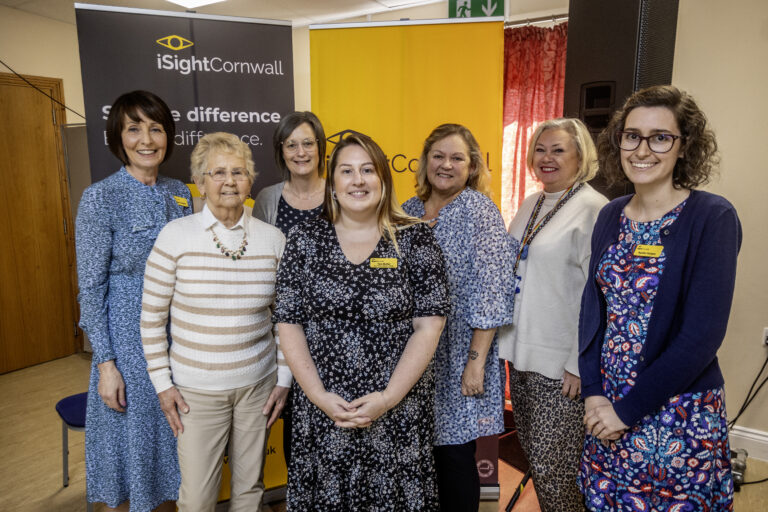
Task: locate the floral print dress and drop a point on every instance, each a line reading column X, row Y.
column 357, row 320
column 677, row 459
column 479, row 256
column 130, row 455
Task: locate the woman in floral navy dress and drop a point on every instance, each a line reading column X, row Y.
column 654, row 315
column 361, row 300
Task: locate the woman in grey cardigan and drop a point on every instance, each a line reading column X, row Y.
column 299, row 143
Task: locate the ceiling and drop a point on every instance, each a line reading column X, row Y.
column 300, row 12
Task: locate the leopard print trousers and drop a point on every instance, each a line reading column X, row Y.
column 551, row 433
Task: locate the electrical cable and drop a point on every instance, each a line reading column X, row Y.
column 750, row 395
column 756, row 392
column 756, row 482
column 40, row 90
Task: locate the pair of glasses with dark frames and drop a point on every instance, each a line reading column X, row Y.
column 658, row 142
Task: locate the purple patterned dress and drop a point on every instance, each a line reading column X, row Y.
column 677, row 459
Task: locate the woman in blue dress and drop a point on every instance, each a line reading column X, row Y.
column 654, row 314
column 452, row 197
column 130, row 451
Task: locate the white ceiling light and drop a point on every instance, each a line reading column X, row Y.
column 191, row 4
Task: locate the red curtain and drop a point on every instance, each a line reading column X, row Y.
column 534, row 78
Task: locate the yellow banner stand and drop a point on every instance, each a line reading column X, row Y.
column 275, row 472
column 396, row 81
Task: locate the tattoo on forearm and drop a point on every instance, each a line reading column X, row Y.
column 473, row 354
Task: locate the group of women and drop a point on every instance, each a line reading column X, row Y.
column 376, row 329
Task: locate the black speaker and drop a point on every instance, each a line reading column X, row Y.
column 615, row 47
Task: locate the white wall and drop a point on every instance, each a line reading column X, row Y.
column 33, row 45
column 721, row 58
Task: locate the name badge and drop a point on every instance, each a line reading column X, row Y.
column 648, row 251
column 383, row 262
column 181, row 201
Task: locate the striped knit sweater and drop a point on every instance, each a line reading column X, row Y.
column 220, row 309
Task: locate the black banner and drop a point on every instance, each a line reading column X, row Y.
column 215, row 73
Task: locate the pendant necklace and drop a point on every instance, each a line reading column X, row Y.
column 229, row 253
column 532, row 228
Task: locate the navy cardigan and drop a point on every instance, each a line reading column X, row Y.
column 690, row 312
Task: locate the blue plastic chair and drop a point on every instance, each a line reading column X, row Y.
column 72, row 412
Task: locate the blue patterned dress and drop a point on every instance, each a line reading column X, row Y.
column 131, row 455
column 479, row 256
column 678, row 459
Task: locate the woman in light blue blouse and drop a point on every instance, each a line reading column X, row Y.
column 452, row 196
column 130, row 451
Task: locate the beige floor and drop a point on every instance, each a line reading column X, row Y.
column 30, row 448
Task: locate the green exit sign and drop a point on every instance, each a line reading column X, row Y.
column 475, row 8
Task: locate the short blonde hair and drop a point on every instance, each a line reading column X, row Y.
column 479, row 176
column 219, row 142
column 581, row 139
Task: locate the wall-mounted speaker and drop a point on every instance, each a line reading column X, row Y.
column 615, row 47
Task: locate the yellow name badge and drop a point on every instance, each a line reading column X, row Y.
column 181, row 201
column 383, row 262
column 648, row 251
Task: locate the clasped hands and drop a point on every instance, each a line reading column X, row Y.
column 358, row 413
column 601, row 420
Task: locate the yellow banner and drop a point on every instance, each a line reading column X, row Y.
column 275, row 472
column 397, row 82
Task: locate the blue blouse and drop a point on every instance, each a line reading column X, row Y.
column 479, row 256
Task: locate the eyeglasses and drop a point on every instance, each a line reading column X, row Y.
column 292, row 146
column 658, row 142
column 220, row 175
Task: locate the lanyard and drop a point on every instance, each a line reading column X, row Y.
column 532, row 228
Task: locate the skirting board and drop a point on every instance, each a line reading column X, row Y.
column 754, row 441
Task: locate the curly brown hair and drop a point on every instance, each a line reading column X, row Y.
column 699, row 148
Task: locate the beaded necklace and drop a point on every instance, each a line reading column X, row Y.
column 532, row 228
column 229, row 253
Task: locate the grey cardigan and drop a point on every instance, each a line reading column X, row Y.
column 265, row 204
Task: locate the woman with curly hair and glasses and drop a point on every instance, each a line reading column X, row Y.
column 654, row 313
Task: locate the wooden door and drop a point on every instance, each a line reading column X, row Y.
column 38, row 307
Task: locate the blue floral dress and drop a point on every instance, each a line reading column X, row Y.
column 677, row 459
column 131, row 455
column 479, row 257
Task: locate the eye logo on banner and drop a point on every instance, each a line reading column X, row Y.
column 174, row 42
column 338, row 136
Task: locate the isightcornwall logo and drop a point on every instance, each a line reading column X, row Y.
column 174, row 42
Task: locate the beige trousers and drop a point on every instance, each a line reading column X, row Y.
column 215, row 418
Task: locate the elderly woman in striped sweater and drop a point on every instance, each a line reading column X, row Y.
column 222, row 379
